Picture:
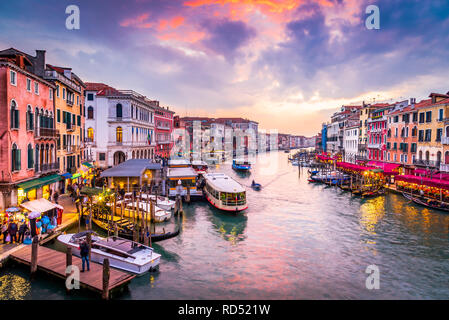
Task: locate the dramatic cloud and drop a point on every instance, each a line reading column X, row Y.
column 287, row 64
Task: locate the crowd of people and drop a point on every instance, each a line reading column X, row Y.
column 14, row 233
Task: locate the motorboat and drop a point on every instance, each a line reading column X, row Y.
column 162, row 202
column 122, row 253
column 256, row 186
column 241, row 165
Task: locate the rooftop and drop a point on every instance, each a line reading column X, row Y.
column 131, row 168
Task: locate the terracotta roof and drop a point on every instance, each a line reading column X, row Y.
column 101, row 88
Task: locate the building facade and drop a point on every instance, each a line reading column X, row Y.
column 163, row 118
column 377, row 134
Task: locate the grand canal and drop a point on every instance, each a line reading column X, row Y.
column 296, row 241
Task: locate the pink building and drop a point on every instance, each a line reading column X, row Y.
column 27, row 138
column 377, row 133
column 163, row 128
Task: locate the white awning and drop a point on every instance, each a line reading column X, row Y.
column 40, row 205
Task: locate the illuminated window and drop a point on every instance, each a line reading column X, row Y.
column 119, row 134
column 90, row 134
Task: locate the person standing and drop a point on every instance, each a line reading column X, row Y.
column 84, row 252
column 22, row 229
column 56, row 196
column 12, row 231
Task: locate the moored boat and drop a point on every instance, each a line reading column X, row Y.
column 122, row 253
column 160, row 215
column 224, row 193
column 427, row 202
column 162, row 202
column 241, row 164
column 199, row 166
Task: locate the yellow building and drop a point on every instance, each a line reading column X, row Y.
column 430, row 131
column 69, row 107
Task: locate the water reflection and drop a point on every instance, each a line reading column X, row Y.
column 14, row 287
column 371, row 213
column 230, row 226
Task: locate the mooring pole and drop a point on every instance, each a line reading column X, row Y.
column 34, row 252
column 106, row 275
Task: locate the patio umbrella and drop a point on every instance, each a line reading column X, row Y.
column 34, row 215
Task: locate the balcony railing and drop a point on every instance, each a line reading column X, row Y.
column 71, row 148
column 444, row 167
column 70, row 127
column 427, row 163
column 445, row 140
column 374, row 145
column 46, row 133
column 46, row 167
column 362, row 146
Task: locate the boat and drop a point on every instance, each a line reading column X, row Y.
column 241, row 164
column 187, row 177
column 199, row 166
column 179, row 163
column 162, row 202
column 224, row 193
column 125, row 229
column 256, row 186
column 122, row 253
column 160, row 215
column 286, row 151
column 430, row 203
column 373, row 193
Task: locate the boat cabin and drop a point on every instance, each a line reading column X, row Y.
column 224, row 193
column 188, row 178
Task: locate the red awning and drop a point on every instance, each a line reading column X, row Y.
column 437, row 183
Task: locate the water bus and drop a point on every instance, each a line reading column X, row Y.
column 224, row 193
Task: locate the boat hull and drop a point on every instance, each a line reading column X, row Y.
column 217, row 204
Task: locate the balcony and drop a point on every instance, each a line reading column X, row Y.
column 69, row 102
column 53, row 75
column 46, row 167
column 362, row 146
column 444, row 167
column 70, row 127
column 163, row 128
column 163, row 142
column 427, row 163
column 374, row 145
column 375, row 130
column 46, row 133
column 71, row 149
column 445, row 140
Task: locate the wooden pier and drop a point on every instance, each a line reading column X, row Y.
column 54, row 263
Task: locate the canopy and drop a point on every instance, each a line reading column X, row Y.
column 437, row 183
column 388, row 168
column 354, row 167
column 40, row 205
column 66, row 175
column 39, row 182
column 76, row 175
column 87, row 164
column 323, row 157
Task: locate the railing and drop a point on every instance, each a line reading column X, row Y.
column 69, row 102
column 46, row 133
column 428, row 163
column 53, row 75
column 46, row 167
column 71, row 148
column 444, row 167
column 374, row 145
column 163, row 127
column 445, row 140
column 70, row 127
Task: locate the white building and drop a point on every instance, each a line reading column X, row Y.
column 119, row 125
column 351, row 143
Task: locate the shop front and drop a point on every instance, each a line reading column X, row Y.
column 37, row 188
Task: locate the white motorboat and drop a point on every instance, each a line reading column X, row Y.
column 160, row 215
column 162, row 202
column 122, row 253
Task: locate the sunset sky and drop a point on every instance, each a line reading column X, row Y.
column 286, row 64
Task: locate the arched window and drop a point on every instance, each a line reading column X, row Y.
column 119, row 134
column 15, row 158
column 90, row 112
column 30, row 155
column 30, row 118
column 118, row 110
column 14, row 115
column 90, row 134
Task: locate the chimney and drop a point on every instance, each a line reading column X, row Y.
column 39, row 63
column 20, row 61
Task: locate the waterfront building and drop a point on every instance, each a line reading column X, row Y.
column 332, row 131
column 402, row 134
column 351, row 141
column 69, row 105
column 444, row 165
column 28, row 141
column 324, row 138
column 365, row 113
column 119, row 124
column 283, row 141
column 430, row 131
column 377, row 134
column 163, row 119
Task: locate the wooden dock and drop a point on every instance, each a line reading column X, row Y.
column 54, row 263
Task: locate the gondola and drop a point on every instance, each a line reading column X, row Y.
column 377, row 192
column 344, row 187
column 431, row 203
column 125, row 230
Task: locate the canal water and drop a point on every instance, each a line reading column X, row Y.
column 295, row 241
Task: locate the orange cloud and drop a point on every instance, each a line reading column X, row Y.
column 189, row 37
column 138, row 21
column 177, row 21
